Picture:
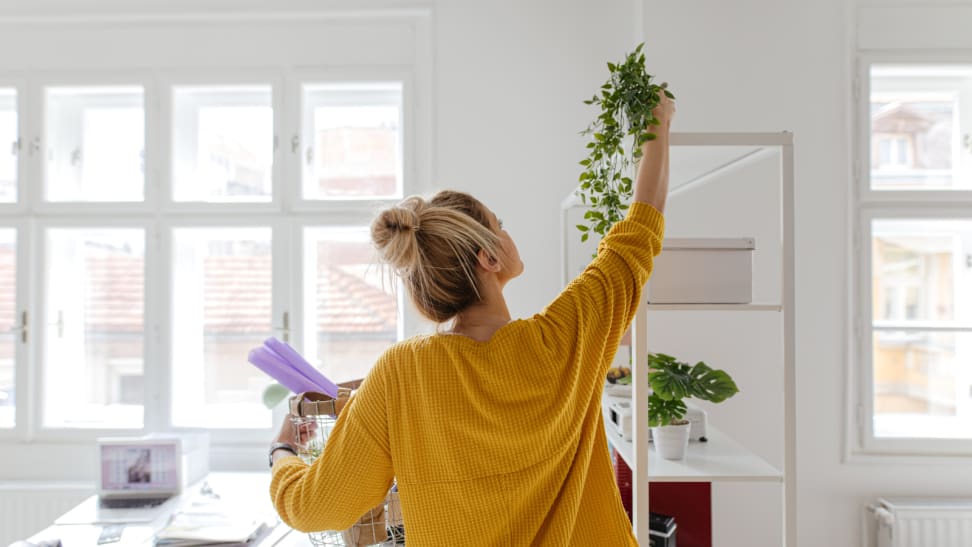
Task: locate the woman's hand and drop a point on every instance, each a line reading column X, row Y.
column 288, row 431
column 664, row 113
column 651, row 186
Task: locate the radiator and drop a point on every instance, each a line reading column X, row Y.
column 923, row 522
column 28, row 507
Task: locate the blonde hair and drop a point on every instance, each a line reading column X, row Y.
column 433, row 246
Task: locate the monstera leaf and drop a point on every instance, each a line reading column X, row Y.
column 710, row 384
column 664, row 411
column 672, row 381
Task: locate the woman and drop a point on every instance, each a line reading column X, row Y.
column 492, row 428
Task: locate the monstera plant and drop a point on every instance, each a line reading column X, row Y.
column 672, row 381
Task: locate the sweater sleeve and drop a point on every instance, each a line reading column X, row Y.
column 352, row 475
column 597, row 307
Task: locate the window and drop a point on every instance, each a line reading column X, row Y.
column 352, row 141
column 95, row 144
column 222, row 141
column 221, row 298
column 351, row 308
column 94, row 289
column 915, row 210
column 9, row 145
column 10, row 324
column 148, row 302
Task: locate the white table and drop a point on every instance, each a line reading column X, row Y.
column 248, row 490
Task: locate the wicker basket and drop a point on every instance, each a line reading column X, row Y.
column 313, row 416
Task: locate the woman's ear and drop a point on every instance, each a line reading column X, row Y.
column 487, row 262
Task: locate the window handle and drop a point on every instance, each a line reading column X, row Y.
column 285, row 328
column 295, row 144
column 34, row 147
column 15, row 147
column 309, row 155
column 22, row 328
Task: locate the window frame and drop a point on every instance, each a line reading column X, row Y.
column 150, row 102
column 869, row 204
column 158, row 214
column 20, row 85
column 410, row 143
column 43, row 432
column 216, row 78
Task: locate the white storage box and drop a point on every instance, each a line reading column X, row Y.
column 703, row 271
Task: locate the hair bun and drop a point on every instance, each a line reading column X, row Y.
column 395, row 231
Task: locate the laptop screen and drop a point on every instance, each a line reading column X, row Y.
column 139, row 466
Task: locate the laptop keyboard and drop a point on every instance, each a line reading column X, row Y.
column 130, row 503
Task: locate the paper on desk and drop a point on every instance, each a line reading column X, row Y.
column 189, row 528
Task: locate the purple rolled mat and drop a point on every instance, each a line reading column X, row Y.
column 280, row 370
column 298, row 363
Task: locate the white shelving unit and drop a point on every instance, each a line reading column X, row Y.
column 720, row 459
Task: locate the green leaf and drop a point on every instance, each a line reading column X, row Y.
column 584, row 237
column 582, row 228
column 625, row 102
column 711, row 385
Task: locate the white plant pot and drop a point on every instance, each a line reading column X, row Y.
column 671, row 441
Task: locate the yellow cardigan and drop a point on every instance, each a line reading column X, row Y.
column 497, row 443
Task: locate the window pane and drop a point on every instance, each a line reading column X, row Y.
column 222, row 309
column 922, row 281
column 9, row 321
column 918, row 139
column 922, row 384
column 222, row 142
column 9, row 135
column 351, row 312
column 921, row 270
column 95, row 140
column 94, row 327
column 352, row 141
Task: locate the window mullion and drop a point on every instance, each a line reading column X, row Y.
column 158, row 378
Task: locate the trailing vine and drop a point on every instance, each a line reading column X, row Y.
column 626, row 101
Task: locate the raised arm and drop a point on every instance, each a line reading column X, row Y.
column 651, row 185
column 592, row 313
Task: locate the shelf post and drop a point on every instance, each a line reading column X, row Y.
column 639, row 428
column 789, row 342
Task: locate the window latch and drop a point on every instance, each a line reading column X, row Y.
column 22, row 327
column 285, row 328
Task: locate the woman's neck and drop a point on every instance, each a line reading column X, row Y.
column 481, row 320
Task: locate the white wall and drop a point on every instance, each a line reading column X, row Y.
column 509, row 78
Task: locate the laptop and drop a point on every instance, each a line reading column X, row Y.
column 139, row 480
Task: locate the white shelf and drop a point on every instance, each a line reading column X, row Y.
column 721, row 458
column 715, row 307
column 717, row 460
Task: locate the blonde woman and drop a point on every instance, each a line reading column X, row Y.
column 492, row 427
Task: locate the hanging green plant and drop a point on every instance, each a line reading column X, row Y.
column 626, row 100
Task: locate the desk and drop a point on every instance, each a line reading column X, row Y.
column 248, row 490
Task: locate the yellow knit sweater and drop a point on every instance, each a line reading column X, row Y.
column 497, row 443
